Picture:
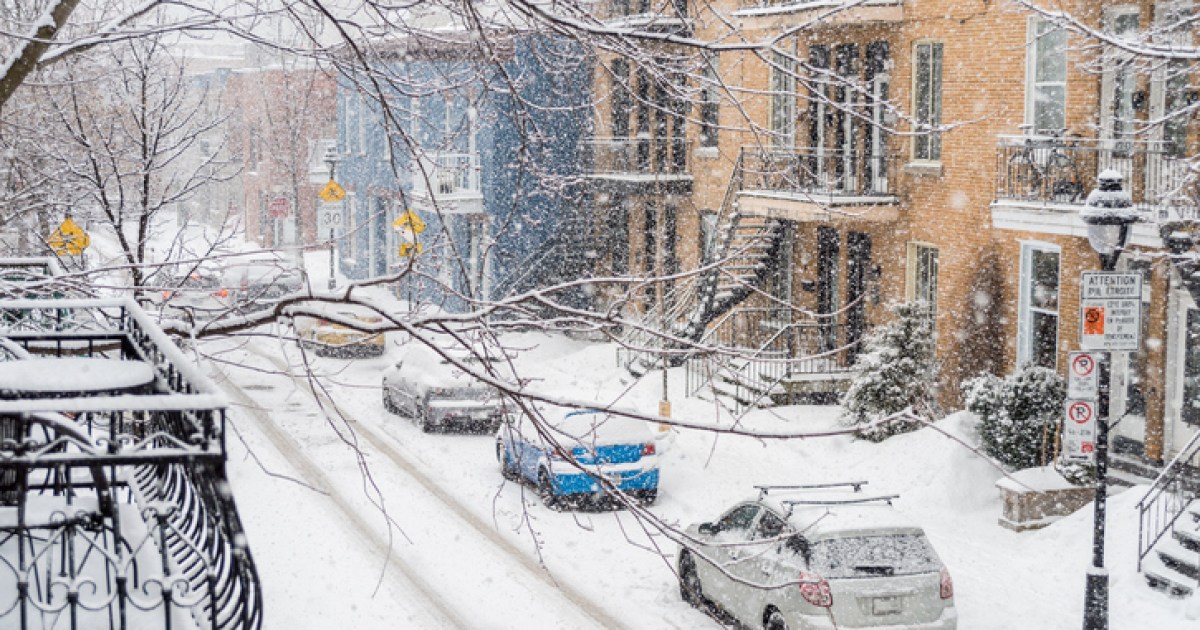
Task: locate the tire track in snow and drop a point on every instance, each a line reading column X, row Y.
column 313, row 474
column 383, row 444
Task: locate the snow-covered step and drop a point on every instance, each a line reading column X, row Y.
column 1187, row 536
column 1180, row 558
column 1163, row 578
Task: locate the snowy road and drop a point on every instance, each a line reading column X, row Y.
column 483, row 565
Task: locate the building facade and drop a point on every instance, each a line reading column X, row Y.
column 481, row 155
column 899, row 150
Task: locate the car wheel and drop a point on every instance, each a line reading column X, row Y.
column 506, row 468
column 546, row 492
column 774, row 620
column 427, row 425
column 689, row 581
column 648, row 497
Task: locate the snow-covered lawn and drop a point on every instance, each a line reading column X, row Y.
column 466, row 546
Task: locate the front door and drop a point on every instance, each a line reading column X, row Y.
column 1128, row 377
column 1118, row 88
column 1183, row 373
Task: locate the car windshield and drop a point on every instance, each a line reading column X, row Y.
column 874, row 556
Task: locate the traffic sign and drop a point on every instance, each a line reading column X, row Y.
column 1079, row 430
column 329, row 217
column 279, row 208
column 69, row 238
column 332, row 192
column 1083, row 375
column 1110, row 311
column 409, row 220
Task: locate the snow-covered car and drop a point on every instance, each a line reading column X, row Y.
column 264, row 277
column 328, row 338
column 809, row 557
column 197, row 296
column 581, row 456
column 426, row 387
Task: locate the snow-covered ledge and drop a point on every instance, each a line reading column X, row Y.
column 1036, row 497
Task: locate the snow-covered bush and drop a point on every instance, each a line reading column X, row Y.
column 1017, row 414
column 897, row 370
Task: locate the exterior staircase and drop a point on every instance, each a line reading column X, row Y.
column 747, row 253
column 1169, row 526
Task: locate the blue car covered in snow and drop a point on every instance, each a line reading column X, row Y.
column 581, row 457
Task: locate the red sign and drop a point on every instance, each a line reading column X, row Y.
column 1080, row 412
column 279, row 208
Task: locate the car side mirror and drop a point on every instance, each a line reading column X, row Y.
column 709, row 529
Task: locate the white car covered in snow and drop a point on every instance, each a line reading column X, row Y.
column 428, row 388
column 816, row 557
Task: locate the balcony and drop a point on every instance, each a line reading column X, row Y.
column 776, row 14
column 1042, row 181
column 816, row 184
column 449, row 180
column 664, row 15
column 641, row 161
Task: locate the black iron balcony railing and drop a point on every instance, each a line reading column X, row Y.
column 1048, row 169
column 639, row 156
column 799, row 5
column 816, row 171
column 663, row 8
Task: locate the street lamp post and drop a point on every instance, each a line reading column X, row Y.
column 331, row 160
column 1109, row 215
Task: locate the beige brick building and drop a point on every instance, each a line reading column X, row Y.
column 809, row 168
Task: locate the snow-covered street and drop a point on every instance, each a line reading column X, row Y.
column 467, row 549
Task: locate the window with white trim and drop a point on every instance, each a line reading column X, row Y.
column 1037, row 317
column 1046, row 77
column 710, row 101
column 783, row 99
column 922, row 275
column 927, row 100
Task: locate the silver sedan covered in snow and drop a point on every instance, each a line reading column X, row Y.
column 428, row 388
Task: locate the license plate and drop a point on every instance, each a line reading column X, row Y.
column 885, row 605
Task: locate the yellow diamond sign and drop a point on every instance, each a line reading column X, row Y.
column 332, row 193
column 69, row 238
column 409, row 221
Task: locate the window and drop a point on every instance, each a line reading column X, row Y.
column 1037, row 324
column 254, row 151
column 769, row 526
column 783, row 100
column 622, row 102
column 710, row 102
column 1046, row 77
column 739, row 519
column 927, row 97
column 922, row 275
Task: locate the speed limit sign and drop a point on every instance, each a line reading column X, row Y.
column 329, row 215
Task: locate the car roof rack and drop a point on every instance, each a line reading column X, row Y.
column 764, row 490
column 791, row 503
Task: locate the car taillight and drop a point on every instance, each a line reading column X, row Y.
column 166, row 295
column 649, row 449
column 221, row 293
column 947, row 590
column 815, row 590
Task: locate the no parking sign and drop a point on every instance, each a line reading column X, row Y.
column 1079, row 431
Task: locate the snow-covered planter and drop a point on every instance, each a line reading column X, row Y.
column 1036, row 497
column 1018, row 414
column 896, row 371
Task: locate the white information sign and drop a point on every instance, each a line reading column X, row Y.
column 1110, row 311
column 1079, row 431
column 1083, row 375
column 329, row 217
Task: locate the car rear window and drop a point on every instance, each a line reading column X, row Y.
column 874, row 556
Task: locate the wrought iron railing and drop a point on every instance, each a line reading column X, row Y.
column 1050, row 169
column 816, row 171
column 115, row 510
column 757, row 349
column 639, row 155
column 632, row 8
column 1176, row 487
column 801, row 4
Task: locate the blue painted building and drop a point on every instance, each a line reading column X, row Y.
column 485, row 154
